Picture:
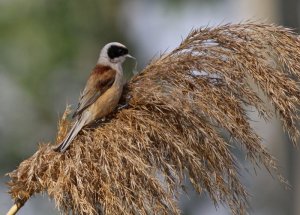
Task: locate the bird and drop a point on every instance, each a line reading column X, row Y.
column 102, row 91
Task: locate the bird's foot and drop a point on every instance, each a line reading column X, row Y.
column 120, row 107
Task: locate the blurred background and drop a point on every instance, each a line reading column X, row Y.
column 47, row 49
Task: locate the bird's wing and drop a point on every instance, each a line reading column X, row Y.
column 100, row 80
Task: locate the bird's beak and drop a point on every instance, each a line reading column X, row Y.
column 129, row 56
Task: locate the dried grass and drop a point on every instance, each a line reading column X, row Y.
column 136, row 162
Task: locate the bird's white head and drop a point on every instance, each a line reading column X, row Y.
column 113, row 54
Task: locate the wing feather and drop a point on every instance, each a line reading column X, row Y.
column 100, row 80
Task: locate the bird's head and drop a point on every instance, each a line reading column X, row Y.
column 113, row 54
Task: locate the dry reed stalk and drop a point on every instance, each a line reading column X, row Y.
column 16, row 207
column 178, row 110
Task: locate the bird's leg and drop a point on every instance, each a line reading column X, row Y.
column 124, row 102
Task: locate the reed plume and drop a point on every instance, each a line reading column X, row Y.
column 185, row 112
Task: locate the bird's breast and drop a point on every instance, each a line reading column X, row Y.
column 106, row 103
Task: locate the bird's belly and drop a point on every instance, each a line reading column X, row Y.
column 106, row 103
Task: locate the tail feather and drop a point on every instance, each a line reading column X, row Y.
column 70, row 136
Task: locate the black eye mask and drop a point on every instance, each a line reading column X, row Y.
column 116, row 51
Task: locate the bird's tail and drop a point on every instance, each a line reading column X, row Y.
column 70, row 136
